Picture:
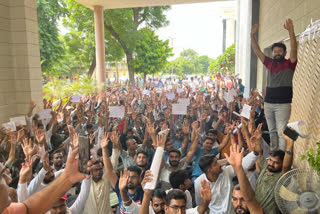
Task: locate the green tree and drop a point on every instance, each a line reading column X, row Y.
column 151, row 53
column 123, row 25
column 51, row 48
column 223, row 61
column 204, row 61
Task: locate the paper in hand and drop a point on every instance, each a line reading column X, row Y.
column 75, row 98
column 146, row 92
column 246, row 111
column 19, row 121
column 170, row 96
column 179, row 109
column 116, row 111
column 185, row 101
column 9, row 126
column 45, row 114
column 297, row 126
column 179, row 90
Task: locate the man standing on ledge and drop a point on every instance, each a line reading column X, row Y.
column 279, row 84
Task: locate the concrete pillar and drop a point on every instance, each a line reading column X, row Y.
column 100, row 50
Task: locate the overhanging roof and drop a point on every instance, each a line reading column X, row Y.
column 112, row 4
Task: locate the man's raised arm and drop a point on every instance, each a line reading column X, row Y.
column 255, row 44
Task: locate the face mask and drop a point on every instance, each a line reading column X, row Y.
column 278, row 58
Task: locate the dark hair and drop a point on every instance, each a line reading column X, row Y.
column 280, row 45
column 99, row 152
column 57, row 151
column 178, row 177
column 212, row 131
column 140, row 151
column 159, row 193
column 134, row 169
column 175, row 151
column 89, row 126
column 98, row 162
column 205, row 162
column 130, row 129
column 236, row 187
column 278, row 153
column 175, row 194
column 208, row 138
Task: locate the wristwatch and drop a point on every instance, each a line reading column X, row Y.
column 289, row 152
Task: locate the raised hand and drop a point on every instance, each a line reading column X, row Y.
column 288, row 25
column 114, row 137
column 26, row 169
column 28, row 148
column 123, row 180
column 13, row 137
column 91, row 138
column 40, row 136
column 205, row 191
column 185, row 128
column 150, row 128
column 104, row 140
column 45, row 162
column 147, row 178
column 236, row 155
column 161, row 140
column 255, row 140
column 254, row 29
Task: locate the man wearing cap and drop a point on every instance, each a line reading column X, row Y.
column 220, row 181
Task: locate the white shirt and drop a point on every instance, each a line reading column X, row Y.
column 221, row 190
column 166, row 171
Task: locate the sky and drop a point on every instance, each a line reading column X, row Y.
column 196, row 26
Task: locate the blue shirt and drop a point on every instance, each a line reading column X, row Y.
column 199, row 153
column 137, row 197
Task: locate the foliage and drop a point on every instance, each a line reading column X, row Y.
column 223, row 61
column 204, row 61
column 51, row 49
column 122, row 28
column 313, row 159
column 188, row 63
column 64, row 88
column 151, row 53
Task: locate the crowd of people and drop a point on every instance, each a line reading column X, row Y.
column 210, row 159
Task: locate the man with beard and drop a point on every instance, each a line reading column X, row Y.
column 142, row 160
column 279, row 93
column 278, row 163
column 176, row 163
column 57, row 160
column 135, row 191
column 181, row 180
column 243, row 199
column 98, row 199
column 220, row 180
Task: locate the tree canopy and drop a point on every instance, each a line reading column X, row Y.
column 151, row 53
column 223, row 61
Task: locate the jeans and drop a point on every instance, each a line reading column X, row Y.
column 277, row 116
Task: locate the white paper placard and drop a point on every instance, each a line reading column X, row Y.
column 185, row 101
column 75, row 98
column 246, row 111
column 169, row 87
column 158, row 90
column 9, row 125
column 116, row 111
column 19, row 121
column 146, row 92
column 56, row 103
column 179, row 109
column 170, row 96
column 228, row 98
column 297, row 127
column 45, row 114
column 179, row 90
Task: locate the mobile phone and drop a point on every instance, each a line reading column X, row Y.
column 84, row 154
column 291, row 133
